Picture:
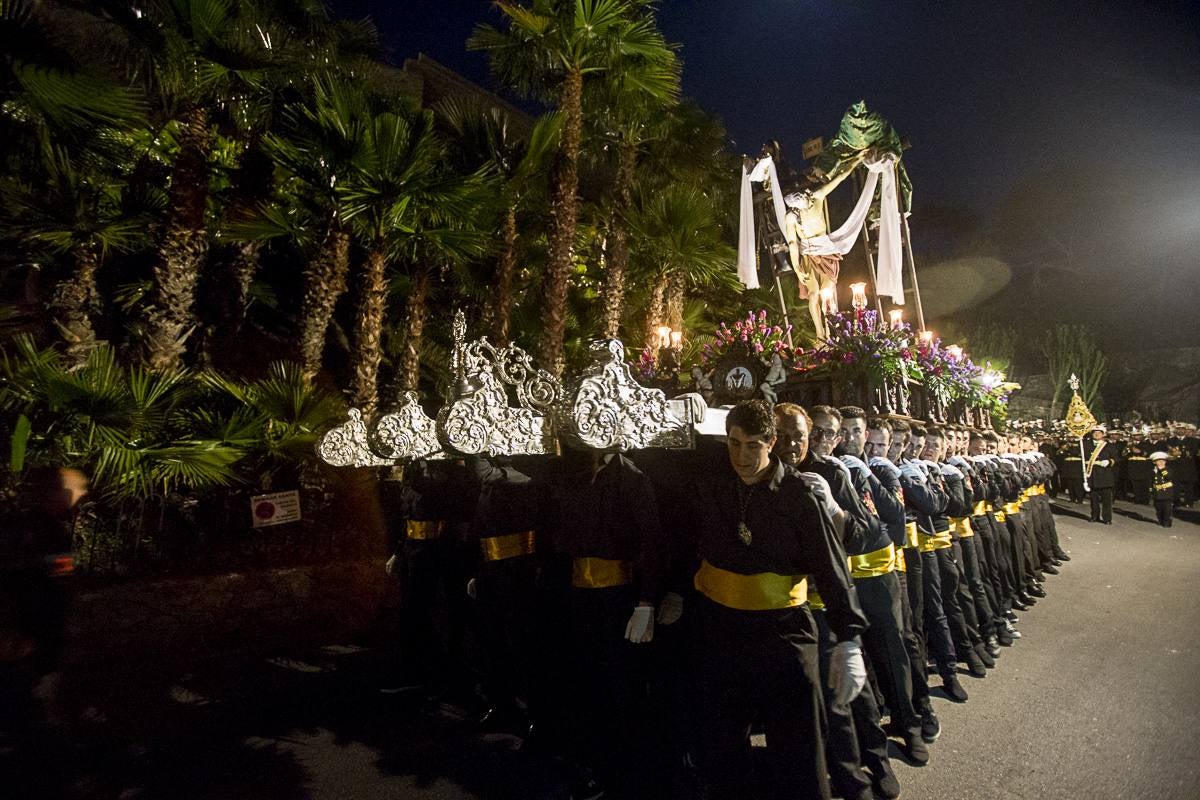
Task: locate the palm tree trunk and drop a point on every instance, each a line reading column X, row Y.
column 324, row 283
column 618, row 244
column 171, row 316
column 243, row 268
column 564, row 210
column 73, row 302
column 502, row 301
column 368, row 333
column 675, row 289
column 654, row 311
column 416, row 309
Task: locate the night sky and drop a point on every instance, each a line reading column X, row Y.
column 1058, row 134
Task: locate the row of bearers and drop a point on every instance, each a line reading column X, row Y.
column 797, row 581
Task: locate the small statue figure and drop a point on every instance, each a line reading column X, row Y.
column 702, row 384
column 776, row 377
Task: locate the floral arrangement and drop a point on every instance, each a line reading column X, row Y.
column 862, row 347
column 756, row 332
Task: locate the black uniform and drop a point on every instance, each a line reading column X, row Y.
column 1165, row 492
column 1182, row 451
column 1138, row 471
column 1102, row 479
column 756, row 642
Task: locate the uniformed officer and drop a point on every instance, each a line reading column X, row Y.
column 1163, row 486
column 1099, row 469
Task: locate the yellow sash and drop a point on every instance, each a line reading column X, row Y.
column 1012, row 508
column 600, row 573
column 937, row 542
column 424, row 528
column 961, row 526
column 901, row 566
column 1000, row 516
column 873, row 564
column 980, row 509
column 498, row 548
column 762, row 591
column 910, row 534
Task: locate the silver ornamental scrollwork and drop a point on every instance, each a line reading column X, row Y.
column 479, row 418
column 609, row 410
column 347, row 445
column 406, row 433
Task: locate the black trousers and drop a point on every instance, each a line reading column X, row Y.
column 880, row 600
column 1021, row 568
column 506, row 596
column 938, row 640
column 759, row 666
column 914, row 648
column 854, row 737
column 610, row 683
column 960, row 615
column 1102, row 500
column 434, row 614
column 1002, row 537
column 969, row 549
column 985, row 552
column 1164, row 509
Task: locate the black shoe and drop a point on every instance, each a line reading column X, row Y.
column 984, row 656
column 931, row 729
column 975, row 664
column 1062, row 556
column 914, row 748
column 954, row 689
column 884, row 781
column 586, row 788
column 1011, row 617
column 1050, row 569
column 1036, row 591
column 993, row 646
column 1056, row 561
column 1018, row 605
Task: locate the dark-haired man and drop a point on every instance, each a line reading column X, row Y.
column 761, row 532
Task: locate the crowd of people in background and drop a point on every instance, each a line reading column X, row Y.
column 820, row 577
column 1150, row 465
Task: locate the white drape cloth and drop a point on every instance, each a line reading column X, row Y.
column 889, row 264
column 764, row 170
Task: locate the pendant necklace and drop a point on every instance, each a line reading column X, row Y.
column 743, row 530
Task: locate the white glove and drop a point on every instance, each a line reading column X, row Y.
column 1104, row 463
column 471, row 590
column 847, row 673
column 640, row 628
column 670, row 609
column 389, row 566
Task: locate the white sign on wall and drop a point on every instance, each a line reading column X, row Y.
column 275, row 508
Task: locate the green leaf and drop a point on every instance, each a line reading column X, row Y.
column 20, row 439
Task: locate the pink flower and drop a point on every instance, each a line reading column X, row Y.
column 762, row 314
column 758, row 348
column 776, row 330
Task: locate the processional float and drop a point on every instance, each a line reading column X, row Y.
column 501, row 405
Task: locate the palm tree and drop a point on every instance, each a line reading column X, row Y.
column 318, row 146
column 74, row 209
column 407, row 209
column 482, row 138
column 627, row 118
column 195, row 56
column 678, row 243
column 548, row 50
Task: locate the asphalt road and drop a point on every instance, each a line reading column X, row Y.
column 1098, row 700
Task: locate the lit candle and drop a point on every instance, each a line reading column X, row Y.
column 828, row 301
column 897, row 317
column 664, row 335
column 676, row 340
column 955, row 352
column 926, row 338
column 859, row 299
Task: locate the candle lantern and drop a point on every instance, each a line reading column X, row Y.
column 676, row 340
column 897, row 317
column 859, row 296
column 664, row 336
column 955, row 352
